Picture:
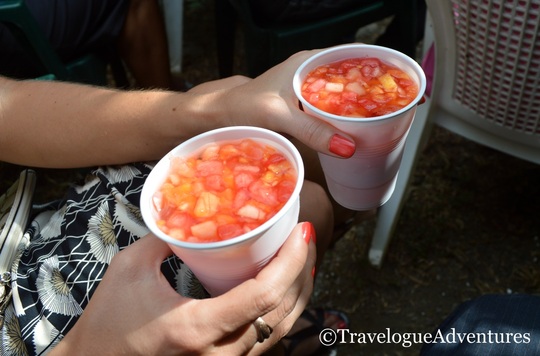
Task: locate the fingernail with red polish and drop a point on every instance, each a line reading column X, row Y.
column 313, row 272
column 341, row 146
column 308, row 232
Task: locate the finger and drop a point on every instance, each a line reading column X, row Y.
column 321, row 136
column 284, row 325
column 151, row 247
column 315, row 133
column 253, row 298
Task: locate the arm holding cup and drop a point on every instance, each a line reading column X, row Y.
column 66, row 125
column 144, row 315
column 73, row 125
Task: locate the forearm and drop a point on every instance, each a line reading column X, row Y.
column 63, row 125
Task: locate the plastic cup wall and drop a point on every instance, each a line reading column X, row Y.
column 222, row 265
column 366, row 180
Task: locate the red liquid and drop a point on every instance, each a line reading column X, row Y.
column 359, row 87
column 229, row 189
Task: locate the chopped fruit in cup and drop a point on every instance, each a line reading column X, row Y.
column 226, row 190
column 359, row 87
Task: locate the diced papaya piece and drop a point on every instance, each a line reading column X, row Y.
column 280, row 167
column 178, row 234
column 228, row 151
column 205, row 231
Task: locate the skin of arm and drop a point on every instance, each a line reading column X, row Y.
column 64, row 125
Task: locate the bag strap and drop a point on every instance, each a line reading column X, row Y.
column 15, row 208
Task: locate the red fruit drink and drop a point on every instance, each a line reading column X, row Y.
column 359, row 87
column 230, row 188
column 371, row 93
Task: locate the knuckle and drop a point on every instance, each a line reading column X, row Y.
column 269, row 298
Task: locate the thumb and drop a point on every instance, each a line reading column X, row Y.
column 322, row 137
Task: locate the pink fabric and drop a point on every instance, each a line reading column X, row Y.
column 428, row 64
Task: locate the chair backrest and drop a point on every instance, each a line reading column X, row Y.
column 268, row 43
column 90, row 69
column 487, row 71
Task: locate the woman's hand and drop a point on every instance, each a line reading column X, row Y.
column 135, row 311
column 269, row 101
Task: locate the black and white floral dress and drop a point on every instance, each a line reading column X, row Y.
column 66, row 252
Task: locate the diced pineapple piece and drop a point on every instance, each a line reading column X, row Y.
column 356, row 87
column 207, row 205
column 210, row 152
column 353, row 74
column 388, row 83
column 182, row 167
column 334, row 87
column 251, row 212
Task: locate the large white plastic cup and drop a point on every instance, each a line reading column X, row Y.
column 222, row 265
column 367, row 179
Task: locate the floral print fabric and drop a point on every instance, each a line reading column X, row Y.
column 66, row 253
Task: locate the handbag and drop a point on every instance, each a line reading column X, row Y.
column 15, row 209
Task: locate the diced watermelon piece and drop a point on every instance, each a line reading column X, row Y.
column 207, row 168
column 243, row 180
column 263, row 193
column 215, row 182
column 285, row 190
column 180, row 220
column 229, row 231
column 316, row 85
column 241, row 198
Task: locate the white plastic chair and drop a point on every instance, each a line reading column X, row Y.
column 486, row 88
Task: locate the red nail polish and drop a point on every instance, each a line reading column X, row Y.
column 307, row 232
column 341, row 146
column 313, row 272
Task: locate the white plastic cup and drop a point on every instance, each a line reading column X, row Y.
column 367, row 179
column 220, row 266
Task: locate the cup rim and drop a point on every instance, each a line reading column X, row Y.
column 162, row 165
column 297, row 82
